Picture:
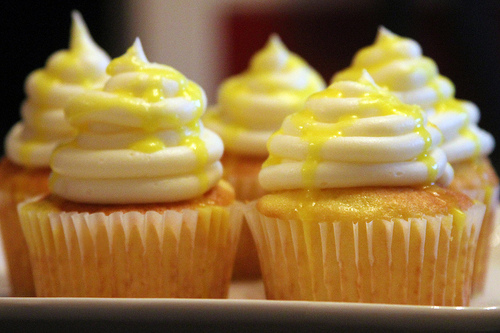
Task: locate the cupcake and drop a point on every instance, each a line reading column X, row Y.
column 398, row 64
column 357, row 209
column 249, row 108
column 137, row 206
column 24, row 171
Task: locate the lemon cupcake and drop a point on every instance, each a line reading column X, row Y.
column 356, row 211
column 24, row 171
column 250, row 107
column 397, row 63
column 137, row 207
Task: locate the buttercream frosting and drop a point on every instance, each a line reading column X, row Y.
column 355, row 133
column 397, row 63
column 66, row 74
column 253, row 104
column 139, row 139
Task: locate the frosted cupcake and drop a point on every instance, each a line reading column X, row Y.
column 397, row 63
column 24, row 171
column 353, row 212
column 137, row 207
column 250, row 107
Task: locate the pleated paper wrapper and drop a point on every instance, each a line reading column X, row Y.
column 246, row 187
column 186, row 254
column 489, row 197
column 427, row 261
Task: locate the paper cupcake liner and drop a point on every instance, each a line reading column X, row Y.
column 186, row 254
column 489, row 197
column 246, row 187
column 427, row 260
column 16, row 185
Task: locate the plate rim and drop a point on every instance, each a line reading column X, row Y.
column 251, row 310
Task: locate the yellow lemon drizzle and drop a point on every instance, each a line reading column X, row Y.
column 160, row 82
column 148, row 145
column 305, row 208
column 458, row 214
column 386, row 43
column 458, row 217
column 63, row 67
column 434, row 84
column 455, row 105
column 275, row 78
column 199, row 148
column 389, row 104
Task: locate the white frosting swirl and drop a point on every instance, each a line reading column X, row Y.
column 253, row 104
column 463, row 139
column 140, row 139
column 398, row 64
column 355, row 134
column 67, row 73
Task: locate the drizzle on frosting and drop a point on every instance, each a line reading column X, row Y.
column 352, row 134
column 397, row 63
column 140, row 138
column 66, row 74
column 253, row 104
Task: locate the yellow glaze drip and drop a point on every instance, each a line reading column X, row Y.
column 151, row 83
column 200, row 150
column 148, row 145
column 434, row 84
column 457, row 106
column 75, row 69
column 316, row 134
column 143, row 97
column 458, row 217
column 397, row 63
column 255, row 102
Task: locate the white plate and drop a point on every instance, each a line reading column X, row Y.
column 247, row 306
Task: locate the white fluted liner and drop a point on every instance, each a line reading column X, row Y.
column 480, row 270
column 133, row 254
column 246, row 187
column 425, row 260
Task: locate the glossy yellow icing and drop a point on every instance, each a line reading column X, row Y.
column 315, row 133
column 253, row 104
column 66, row 73
column 141, row 130
column 457, row 106
column 387, row 48
column 397, row 63
column 139, row 93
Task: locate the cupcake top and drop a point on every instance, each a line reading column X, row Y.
column 355, row 134
column 397, row 63
column 139, row 139
column 253, row 104
column 67, row 73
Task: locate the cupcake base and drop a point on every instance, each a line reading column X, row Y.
column 17, row 184
column 426, row 260
column 478, row 180
column 141, row 252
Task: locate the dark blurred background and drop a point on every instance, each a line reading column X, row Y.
column 463, row 37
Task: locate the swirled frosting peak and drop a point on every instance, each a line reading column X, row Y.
column 67, row 73
column 353, row 134
column 252, row 105
column 139, row 139
column 397, row 63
